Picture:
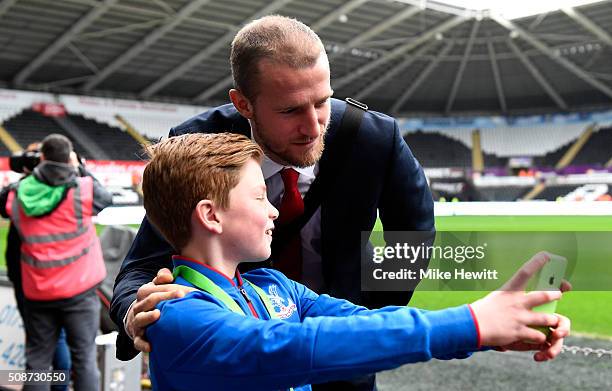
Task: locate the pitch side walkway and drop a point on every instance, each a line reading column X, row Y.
column 508, row 371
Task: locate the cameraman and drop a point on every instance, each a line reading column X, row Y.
column 61, row 259
column 24, row 163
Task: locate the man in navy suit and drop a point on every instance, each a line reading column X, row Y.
column 282, row 99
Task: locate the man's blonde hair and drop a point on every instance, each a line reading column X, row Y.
column 186, row 169
column 277, row 38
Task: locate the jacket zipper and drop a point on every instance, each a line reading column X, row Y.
column 246, row 297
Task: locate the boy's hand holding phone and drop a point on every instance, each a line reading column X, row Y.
column 505, row 316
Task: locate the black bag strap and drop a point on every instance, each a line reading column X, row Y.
column 339, row 149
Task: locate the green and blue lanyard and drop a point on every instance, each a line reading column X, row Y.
column 204, row 283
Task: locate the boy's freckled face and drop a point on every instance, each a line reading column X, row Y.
column 248, row 221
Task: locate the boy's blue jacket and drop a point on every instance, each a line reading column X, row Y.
column 198, row 343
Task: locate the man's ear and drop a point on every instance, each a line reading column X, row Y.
column 241, row 103
column 205, row 214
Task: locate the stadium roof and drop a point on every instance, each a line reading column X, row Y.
column 407, row 57
column 514, row 9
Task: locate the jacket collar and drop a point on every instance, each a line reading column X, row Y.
column 216, row 276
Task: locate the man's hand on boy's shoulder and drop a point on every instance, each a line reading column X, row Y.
column 142, row 313
column 506, row 317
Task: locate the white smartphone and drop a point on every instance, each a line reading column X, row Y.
column 550, row 278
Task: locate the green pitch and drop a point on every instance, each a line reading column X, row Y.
column 589, row 311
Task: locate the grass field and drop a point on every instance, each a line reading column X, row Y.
column 590, row 311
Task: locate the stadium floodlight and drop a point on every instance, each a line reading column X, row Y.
column 508, row 9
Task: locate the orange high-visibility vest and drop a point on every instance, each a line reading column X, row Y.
column 60, row 252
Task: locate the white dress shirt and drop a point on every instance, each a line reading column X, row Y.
column 312, row 274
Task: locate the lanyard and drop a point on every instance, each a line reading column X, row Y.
column 206, row 284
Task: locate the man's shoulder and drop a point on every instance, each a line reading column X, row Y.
column 217, row 119
column 372, row 123
column 376, row 135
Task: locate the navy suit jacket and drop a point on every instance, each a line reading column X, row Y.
column 379, row 174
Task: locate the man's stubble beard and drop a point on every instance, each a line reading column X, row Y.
column 311, row 157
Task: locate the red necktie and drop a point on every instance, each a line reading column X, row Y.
column 289, row 260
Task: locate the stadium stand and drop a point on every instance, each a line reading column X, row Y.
column 506, row 141
column 597, row 150
column 7, row 112
column 30, row 126
column 153, row 126
column 434, row 150
column 92, row 139
column 116, row 143
column 551, row 158
column 90, row 144
column 429, row 141
column 153, row 120
column 438, row 150
column 529, row 140
column 546, row 144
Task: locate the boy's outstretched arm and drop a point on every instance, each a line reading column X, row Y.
column 197, row 341
column 496, row 330
column 203, row 341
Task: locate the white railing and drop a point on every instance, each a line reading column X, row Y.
column 524, row 208
column 135, row 214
